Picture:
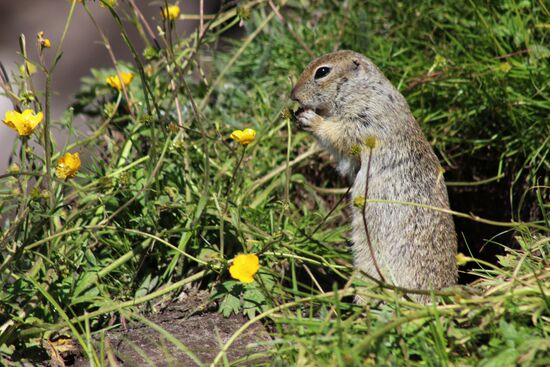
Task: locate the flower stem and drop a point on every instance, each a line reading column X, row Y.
column 226, row 205
column 47, row 148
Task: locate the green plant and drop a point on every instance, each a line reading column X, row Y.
column 165, row 200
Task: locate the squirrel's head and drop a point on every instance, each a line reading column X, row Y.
column 338, row 81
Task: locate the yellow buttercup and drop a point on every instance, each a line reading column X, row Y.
column 25, row 122
column 244, row 137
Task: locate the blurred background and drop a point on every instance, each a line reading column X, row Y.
column 82, row 48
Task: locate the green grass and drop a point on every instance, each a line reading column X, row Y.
column 163, row 200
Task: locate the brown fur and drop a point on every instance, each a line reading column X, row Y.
column 414, row 247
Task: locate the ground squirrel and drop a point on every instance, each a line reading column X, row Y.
column 355, row 112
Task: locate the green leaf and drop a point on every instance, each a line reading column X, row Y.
column 507, row 357
column 231, row 304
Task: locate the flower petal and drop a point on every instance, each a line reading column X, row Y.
column 67, row 166
column 236, row 135
column 24, row 122
column 244, row 267
column 244, row 137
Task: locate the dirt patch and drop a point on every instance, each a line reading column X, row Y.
column 204, row 334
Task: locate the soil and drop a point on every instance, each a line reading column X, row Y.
column 203, row 333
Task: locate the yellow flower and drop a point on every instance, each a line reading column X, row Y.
column 43, row 41
column 67, row 166
column 462, row 259
column 505, row 67
column 355, row 150
column 111, row 3
column 115, row 82
column 171, row 13
column 286, row 113
column 370, row 142
column 359, row 201
column 440, row 60
column 244, row 137
column 24, row 122
column 244, row 267
column 14, row 168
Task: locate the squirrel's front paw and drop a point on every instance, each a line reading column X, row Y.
column 308, row 120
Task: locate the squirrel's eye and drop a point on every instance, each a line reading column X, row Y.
column 322, row 72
